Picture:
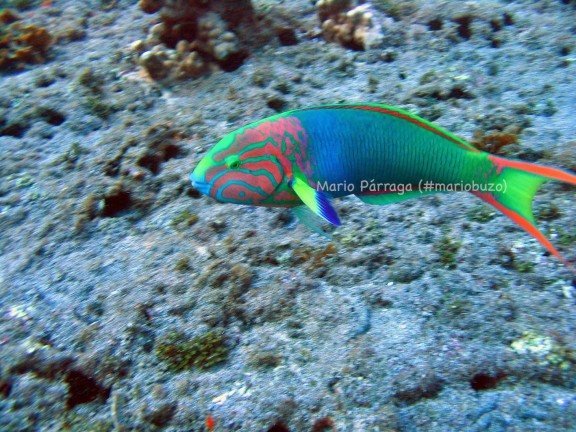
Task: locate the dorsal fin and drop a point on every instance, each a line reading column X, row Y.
column 393, row 197
column 405, row 115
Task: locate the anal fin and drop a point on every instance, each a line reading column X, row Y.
column 393, row 197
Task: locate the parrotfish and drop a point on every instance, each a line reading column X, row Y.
column 303, row 158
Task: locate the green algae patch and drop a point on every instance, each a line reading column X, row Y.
column 447, row 251
column 481, row 214
column 183, row 220
column 565, row 238
column 545, row 350
column 181, row 353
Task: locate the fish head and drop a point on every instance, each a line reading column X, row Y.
column 243, row 168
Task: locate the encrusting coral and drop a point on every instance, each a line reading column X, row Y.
column 349, row 23
column 21, row 44
column 193, row 38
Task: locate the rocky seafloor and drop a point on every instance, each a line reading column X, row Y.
column 131, row 303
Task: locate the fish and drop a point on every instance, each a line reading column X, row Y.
column 304, row 158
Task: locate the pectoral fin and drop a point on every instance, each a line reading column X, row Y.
column 316, row 200
column 311, row 220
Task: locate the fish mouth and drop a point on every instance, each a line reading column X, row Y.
column 199, row 185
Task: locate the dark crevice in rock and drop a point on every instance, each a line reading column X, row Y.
column 83, row 389
column 116, row 203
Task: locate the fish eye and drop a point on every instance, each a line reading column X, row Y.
column 233, row 162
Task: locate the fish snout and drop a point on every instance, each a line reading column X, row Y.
column 199, row 184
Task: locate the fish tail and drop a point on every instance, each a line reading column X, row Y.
column 514, row 187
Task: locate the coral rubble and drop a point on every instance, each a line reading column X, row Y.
column 349, row 23
column 192, row 38
column 20, row 43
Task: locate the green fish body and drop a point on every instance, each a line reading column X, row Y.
column 303, row 158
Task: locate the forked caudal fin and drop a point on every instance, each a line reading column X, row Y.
column 520, row 181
